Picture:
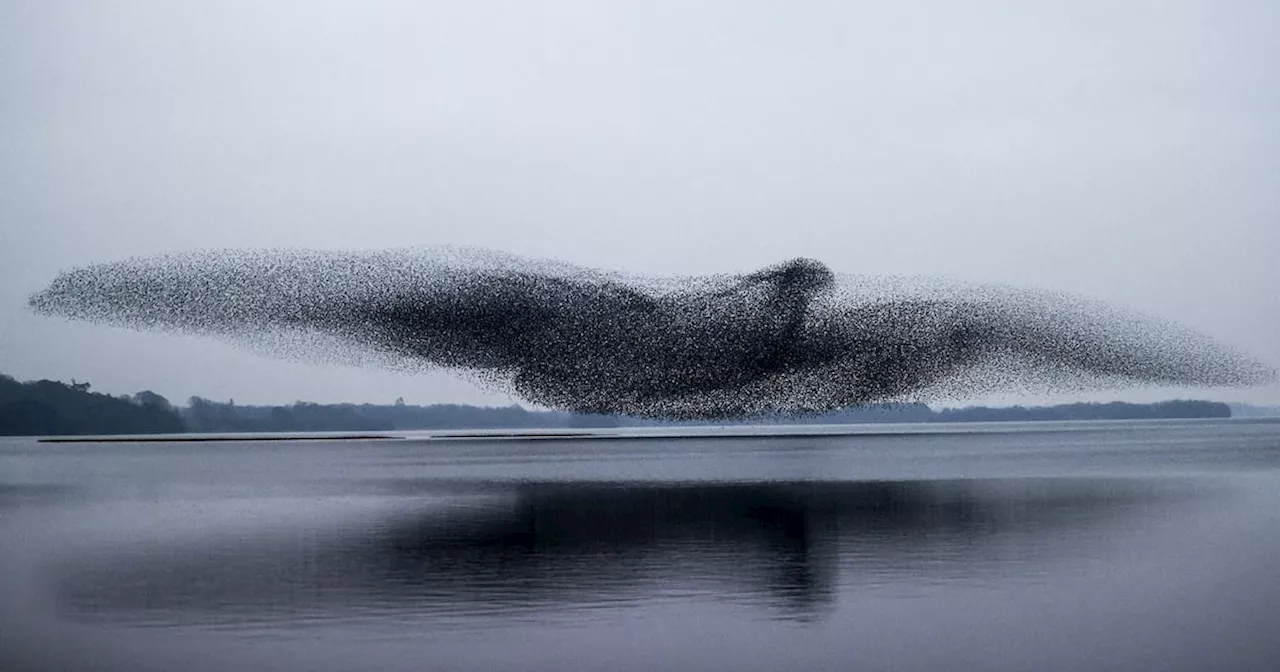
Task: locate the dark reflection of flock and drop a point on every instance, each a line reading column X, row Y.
column 544, row 548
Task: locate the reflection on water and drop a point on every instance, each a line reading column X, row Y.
column 1086, row 547
column 543, row 548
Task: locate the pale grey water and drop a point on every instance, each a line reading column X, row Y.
column 1045, row 546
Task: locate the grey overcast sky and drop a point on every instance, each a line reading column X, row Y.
column 1125, row 150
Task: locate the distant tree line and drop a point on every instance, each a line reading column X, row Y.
column 52, row 408
column 1251, row 411
column 46, row 407
column 1114, row 410
column 204, row 415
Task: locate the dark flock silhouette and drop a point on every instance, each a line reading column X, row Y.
column 790, row 338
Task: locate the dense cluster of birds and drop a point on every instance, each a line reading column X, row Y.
column 790, row 338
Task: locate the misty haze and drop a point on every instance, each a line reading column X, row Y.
column 639, row 336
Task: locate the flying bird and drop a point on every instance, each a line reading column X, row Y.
column 791, row 338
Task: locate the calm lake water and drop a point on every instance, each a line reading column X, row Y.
column 1045, row 546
